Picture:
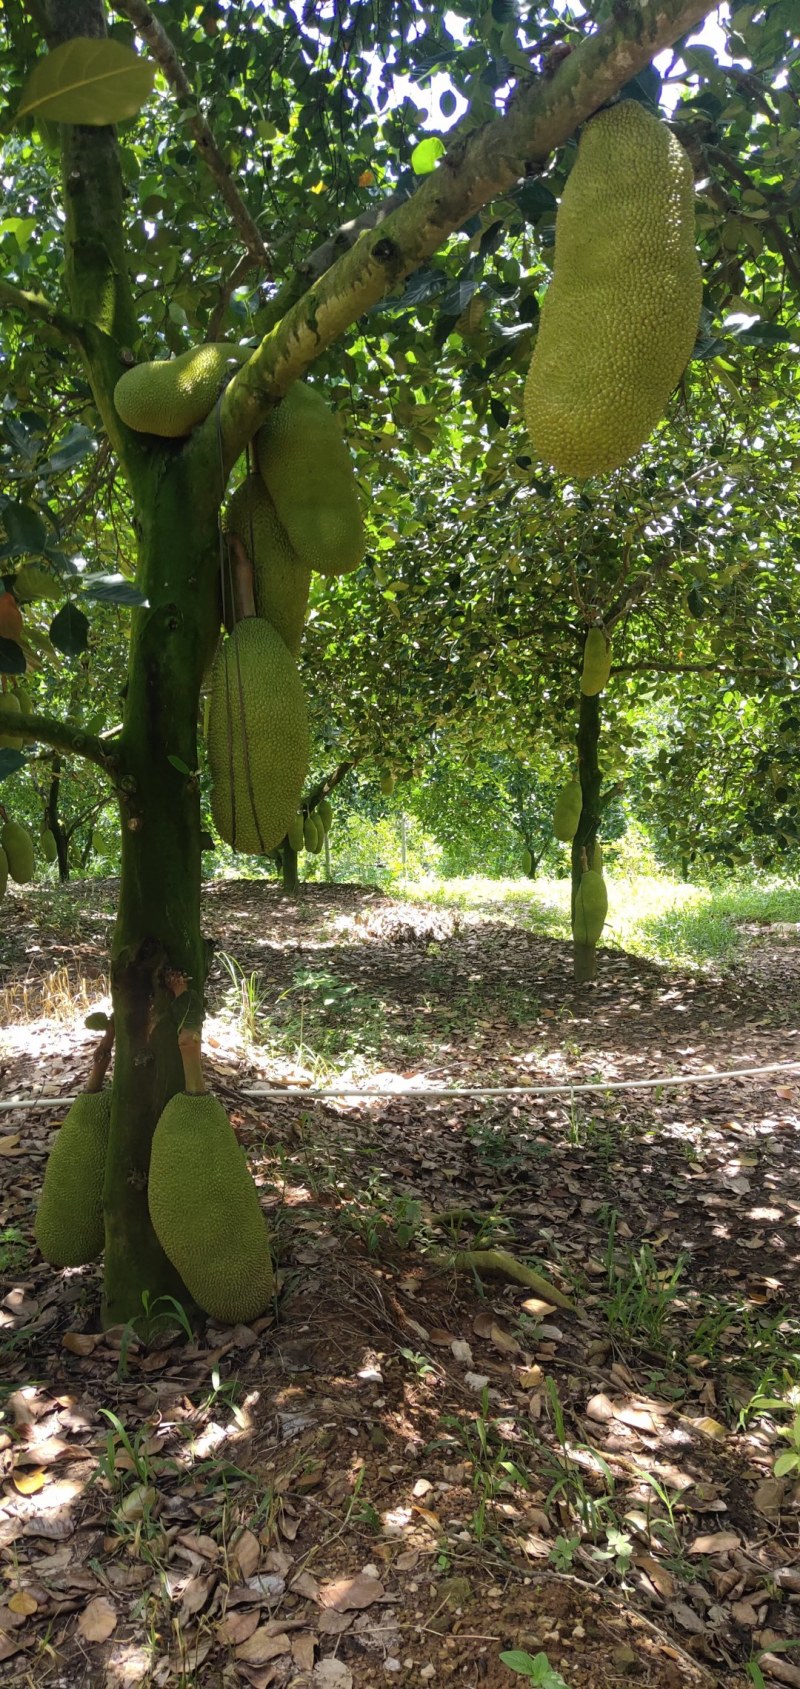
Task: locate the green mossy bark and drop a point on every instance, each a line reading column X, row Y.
column 290, row 877
column 584, row 956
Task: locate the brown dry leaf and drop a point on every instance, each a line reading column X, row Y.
column 303, row 1650
column 661, row 1579
column 259, row 1648
column 332, row 1674
column 716, row 1542
column 196, row 1594
column 535, row 1306
column 331, row 1623
column 81, row 1342
column 247, row 1551
column 305, row 1584
column 601, row 1408
column 24, row 1603
column 486, row 1326
column 98, row 1620
column 28, row 1483
column 237, row 1626
column 351, row 1594
column 10, row 1145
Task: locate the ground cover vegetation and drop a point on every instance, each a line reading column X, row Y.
column 469, row 477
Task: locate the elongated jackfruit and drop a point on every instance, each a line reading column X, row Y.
column 596, row 663
column 10, row 701
column 280, row 580
column 527, row 861
column 310, row 833
column 49, row 846
column 171, row 395
column 295, row 833
column 325, row 813
column 567, row 812
column 257, row 738
column 18, row 846
column 69, row 1226
column 591, row 908
column 307, row 470
column 619, row 320
column 388, row 782
column 205, row 1210
column 3, row 872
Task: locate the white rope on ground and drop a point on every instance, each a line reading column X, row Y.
column 414, row 1091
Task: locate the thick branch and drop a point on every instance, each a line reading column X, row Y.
column 487, row 163
column 324, row 787
column 163, row 50
column 35, row 305
column 60, row 736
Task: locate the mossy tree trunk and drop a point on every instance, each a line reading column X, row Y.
column 53, row 820
column 290, row 878
column 588, row 739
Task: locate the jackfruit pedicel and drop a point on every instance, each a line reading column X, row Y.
column 280, row 580
column 307, row 470
column 205, row 1210
column 620, row 317
column 69, row 1227
column 258, row 743
column 171, row 395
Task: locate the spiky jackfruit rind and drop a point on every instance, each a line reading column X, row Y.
column 295, row 833
column 18, row 846
column 280, row 581
column 527, row 861
column 567, row 812
column 69, row 1227
column 205, row 1210
column 319, row 839
column 596, row 663
column 169, row 396
column 325, row 813
column 388, row 782
column 49, row 846
column 257, row 738
column 3, row 872
column 10, row 701
column 591, row 908
column 619, row 320
column 308, row 472
column 310, row 833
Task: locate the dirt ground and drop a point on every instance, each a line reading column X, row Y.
column 407, row 1469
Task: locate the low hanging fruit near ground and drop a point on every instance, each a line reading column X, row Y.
column 69, row 1225
column 258, row 741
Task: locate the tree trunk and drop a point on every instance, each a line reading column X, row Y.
column 584, row 956
column 290, row 876
column 54, row 821
column 158, row 962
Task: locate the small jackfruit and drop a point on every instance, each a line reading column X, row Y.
column 596, row 663
column 310, row 833
column 49, row 846
column 591, row 908
column 18, row 846
column 308, row 472
column 10, row 701
column 620, row 317
column 171, row 395
column 69, row 1226
column 388, row 782
column 527, row 861
column 325, row 813
column 295, row 833
column 257, row 738
column 205, row 1210
column 3, row 872
column 567, row 812
column 280, row 580
column 319, row 841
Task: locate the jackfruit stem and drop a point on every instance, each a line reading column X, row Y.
column 244, row 603
column 101, row 1056
column 190, row 1046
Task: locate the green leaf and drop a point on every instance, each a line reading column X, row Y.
column 69, row 631
column 88, row 81
column 786, row 1463
column 25, row 528
column 69, row 451
column 517, row 1660
column 426, row 155
column 447, row 103
column 112, row 589
column 12, row 660
column 10, row 763
column 97, row 1021
column 177, row 762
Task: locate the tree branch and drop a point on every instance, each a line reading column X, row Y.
column 35, row 305
column 485, row 164
column 324, row 787
column 163, row 50
column 60, row 736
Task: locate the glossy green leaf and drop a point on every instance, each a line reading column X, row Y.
column 89, row 82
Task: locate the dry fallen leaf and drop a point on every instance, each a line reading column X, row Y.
column 23, row 1602
column 98, row 1620
column 351, row 1594
column 716, row 1542
column 261, row 1647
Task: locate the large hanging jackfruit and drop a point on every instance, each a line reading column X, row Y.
column 591, row 908
column 69, row 1227
column 619, row 319
column 171, row 395
column 257, row 738
column 280, row 580
column 307, row 470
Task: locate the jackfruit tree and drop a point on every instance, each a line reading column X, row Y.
column 132, row 261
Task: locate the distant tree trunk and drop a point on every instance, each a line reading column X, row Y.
column 54, row 821
column 588, row 738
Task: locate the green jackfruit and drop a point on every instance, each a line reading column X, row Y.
column 591, row 908
column 10, row 701
column 49, row 846
column 205, row 1210
column 319, row 841
column 33, row 581
column 310, row 833
column 171, row 395
column 69, row 1225
column 325, row 813
column 3, row 872
column 597, row 858
column 527, row 861
column 18, row 846
column 620, row 317
column 567, row 813
column 257, row 738
column 295, row 832
column 596, row 663
column 280, row 580
column 307, row 470
column 388, row 783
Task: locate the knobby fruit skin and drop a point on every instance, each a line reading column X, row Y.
column 18, row 846
column 258, row 742
column 310, row 834
column 280, row 581
column 308, row 472
column 205, row 1210
column 591, row 908
column 619, row 319
column 388, row 783
column 527, row 862
column 596, row 663
column 171, row 395
column 10, row 701
column 69, row 1227
column 295, row 833
column 325, row 813
column 49, row 846
column 567, row 812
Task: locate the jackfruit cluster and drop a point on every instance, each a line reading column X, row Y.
column 17, row 846
column 205, row 1210
column 596, row 663
column 257, row 738
column 567, row 812
column 591, row 908
column 171, row 395
column 308, row 473
column 69, row 1226
column 620, row 317
column 280, row 581
column 309, row 831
